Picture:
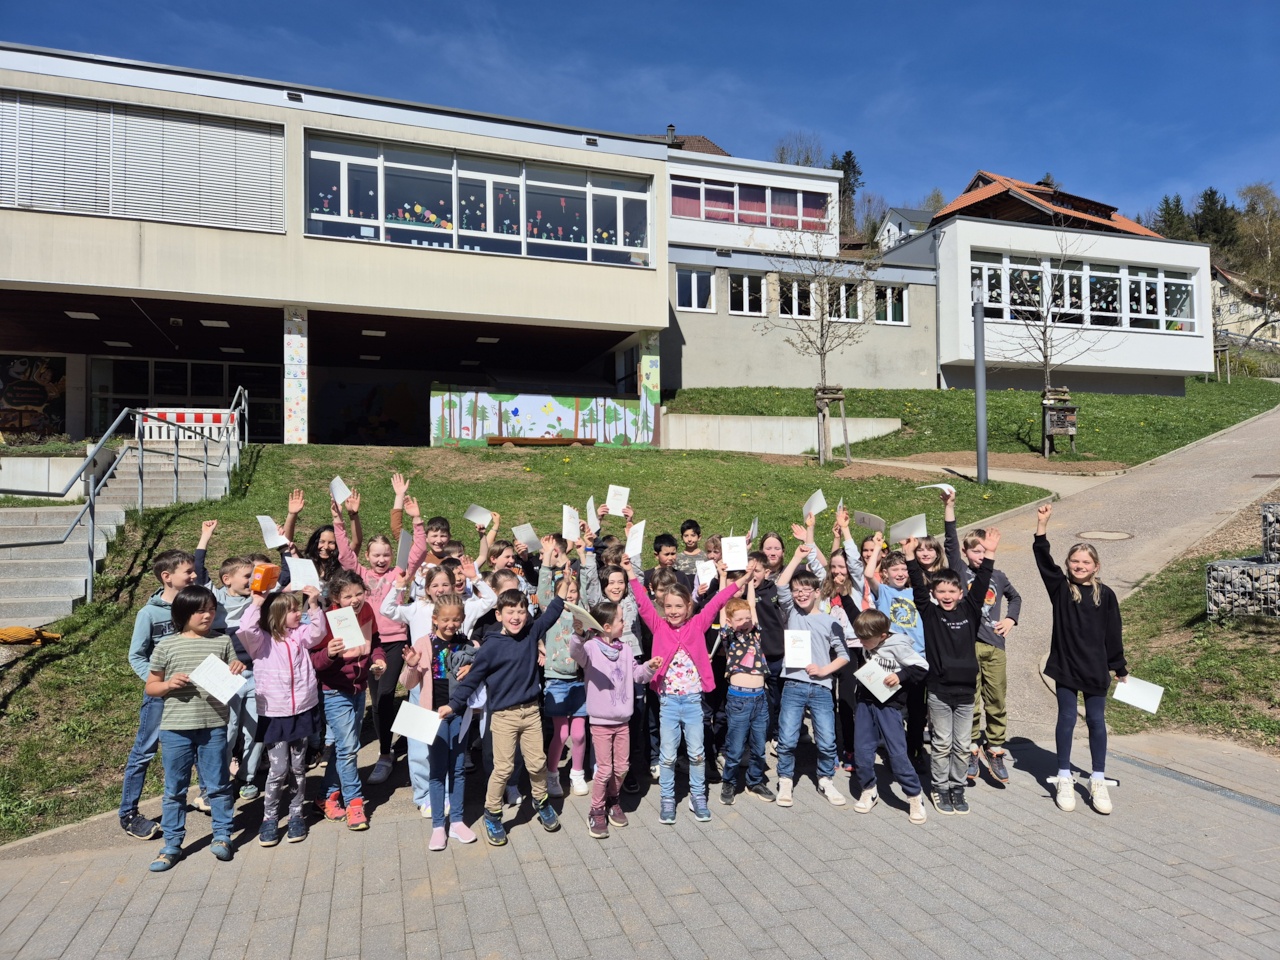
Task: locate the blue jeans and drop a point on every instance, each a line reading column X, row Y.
column 206, row 750
column 344, row 712
column 796, row 696
column 748, row 712
column 141, row 754
column 447, row 757
column 677, row 716
column 419, row 758
column 874, row 722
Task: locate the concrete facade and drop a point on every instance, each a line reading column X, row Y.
column 785, row 435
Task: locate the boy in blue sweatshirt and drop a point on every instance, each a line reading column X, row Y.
column 174, row 569
column 507, row 665
column 896, row 601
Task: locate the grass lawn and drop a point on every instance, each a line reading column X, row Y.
column 1221, row 680
column 68, row 712
column 1124, row 429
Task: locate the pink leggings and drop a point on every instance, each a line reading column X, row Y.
column 573, row 729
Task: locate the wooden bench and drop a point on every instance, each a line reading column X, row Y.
column 540, row 442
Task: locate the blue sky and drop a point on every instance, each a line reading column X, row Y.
column 1123, row 102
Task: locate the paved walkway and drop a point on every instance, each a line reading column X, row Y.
column 1187, row 866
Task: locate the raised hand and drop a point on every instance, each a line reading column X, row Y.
column 411, row 656
column 399, row 485
column 208, row 526
column 353, row 502
column 411, row 507
column 992, row 540
column 297, row 501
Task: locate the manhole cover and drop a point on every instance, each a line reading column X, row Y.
column 1104, row 535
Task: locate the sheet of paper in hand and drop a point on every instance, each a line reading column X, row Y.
column 593, row 519
column 798, row 645
column 570, row 527
column 402, row 551
column 815, row 504
column 303, row 573
column 478, row 515
column 618, row 497
column 1139, row 693
column 707, row 571
column 270, row 535
column 524, row 532
column 339, row 491
column 917, row 526
column 635, row 541
column 345, row 625
column 216, row 679
column 755, row 529
column 416, row 723
column 583, row 616
column 870, row 521
column 733, row 550
column 871, row 675
column 946, row 487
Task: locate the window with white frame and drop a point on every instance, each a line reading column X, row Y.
column 890, row 304
column 402, row 193
column 846, row 302
column 695, row 290
column 747, row 294
column 794, row 298
column 1084, row 293
column 723, row 201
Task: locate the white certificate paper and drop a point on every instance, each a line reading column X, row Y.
column 870, row 521
column 871, row 675
column 416, row 723
column 346, row 627
column 525, row 533
column 593, row 519
column 570, row 522
column 917, row 526
column 755, row 528
column 478, row 515
column 302, row 573
column 946, row 487
column 733, row 550
column 216, row 679
column 635, row 541
column 583, row 616
column 1139, row 693
column 815, row 504
column 617, row 498
column 339, row 491
column 799, row 649
column 270, row 535
column 707, row 571
column 403, row 551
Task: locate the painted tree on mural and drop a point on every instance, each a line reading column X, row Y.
column 591, row 419
column 576, row 403
column 472, row 411
column 504, row 416
column 482, row 415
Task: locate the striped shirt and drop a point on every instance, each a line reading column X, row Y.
column 190, row 708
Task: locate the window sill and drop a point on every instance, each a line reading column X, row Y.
column 373, row 241
column 681, row 309
column 743, row 313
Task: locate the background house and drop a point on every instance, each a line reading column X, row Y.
column 900, row 224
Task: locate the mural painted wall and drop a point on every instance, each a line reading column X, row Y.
column 466, row 417
column 33, row 394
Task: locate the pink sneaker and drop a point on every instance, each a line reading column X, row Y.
column 438, row 841
column 461, row 832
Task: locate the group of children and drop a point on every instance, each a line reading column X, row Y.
column 870, row 643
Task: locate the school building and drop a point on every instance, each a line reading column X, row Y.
column 172, row 234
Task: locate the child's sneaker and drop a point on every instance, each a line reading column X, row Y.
column 667, row 811
column 974, row 767
column 1065, row 795
column 828, row 790
column 655, row 771
column 995, row 763
column 553, row 784
column 958, row 801
column 357, row 819
column 140, row 828
column 1099, row 796
column 784, row 792
column 866, row 800
column 381, row 770
column 461, row 832
column 617, row 816
column 761, row 791
column 494, row 831
column 698, row 804
column 201, row 804
column 942, row 802
column 438, row 839
column 916, row 805
column 332, row 806
column 425, row 810
column 630, row 784
column 513, row 796
column 269, row 835
column 547, row 814
column 297, row 830
column 578, row 783
column 598, row 823
column 249, row 792
column 221, row 850
column 727, row 793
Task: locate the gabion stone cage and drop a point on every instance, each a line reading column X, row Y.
column 1250, row 586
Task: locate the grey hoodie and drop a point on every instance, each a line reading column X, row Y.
column 896, row 655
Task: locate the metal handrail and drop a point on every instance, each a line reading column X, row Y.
column 239, row 408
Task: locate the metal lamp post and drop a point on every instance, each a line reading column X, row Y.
column 980, row 379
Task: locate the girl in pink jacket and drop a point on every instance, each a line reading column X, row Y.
column 273, row 633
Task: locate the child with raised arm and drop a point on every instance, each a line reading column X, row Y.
column 611, row 673
column 322, row 547
column 507, row 666
column 882, row 721
column 379, row 577
column 966, row 557
column 1085, row 649
column 808, row 687
column 685, row 672
column 564, row 697
column 951, row 615
column 288, row 702
column 746, row 707
column 895, row 600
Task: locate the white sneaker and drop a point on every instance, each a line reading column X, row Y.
column 867, row 800
column 425, row 810
column 381, row 770
column 513, row 797
column 553, row 784
column 1099, row 796
column 655, row 771
column 578, row 783
column 784, row 792
column 1065, row 797
column 828, row 790
column 916, row 804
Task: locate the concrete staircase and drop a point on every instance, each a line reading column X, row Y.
column 157, row 476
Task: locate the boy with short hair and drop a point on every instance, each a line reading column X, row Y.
column 878, row 721
column 808, row 687
column 950, row 635
column 507, row 665
column 174, row 569
column 895, row 600
column 687, row 559
column 665, row 554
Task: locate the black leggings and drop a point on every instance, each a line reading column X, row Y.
column 1094, row 718
column 383, row 693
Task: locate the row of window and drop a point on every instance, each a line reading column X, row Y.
column 749, row 296
column 1030, row 288
column 394, row 193
column 748, row 204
